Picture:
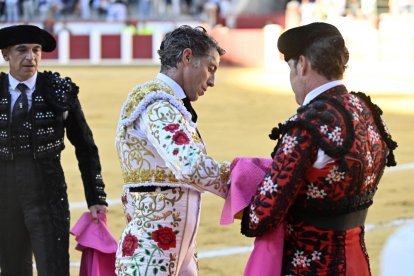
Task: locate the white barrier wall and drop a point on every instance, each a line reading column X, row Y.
column 392, row 41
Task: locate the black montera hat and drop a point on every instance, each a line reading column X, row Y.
column 20, row 34
column 294, row 42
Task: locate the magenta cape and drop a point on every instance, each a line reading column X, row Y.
column 97, row 244
column 246, row 175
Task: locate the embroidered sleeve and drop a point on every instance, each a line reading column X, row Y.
column 178, row 143
column 80, row 135
column 294, row 154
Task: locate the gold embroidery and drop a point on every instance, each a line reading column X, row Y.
column 142, row 176
column 140, row 93
column 224, row 176
column 148, row 208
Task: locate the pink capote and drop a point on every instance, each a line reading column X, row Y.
column 97, row 244
column 246, row 174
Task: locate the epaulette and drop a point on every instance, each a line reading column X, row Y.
column 143, row 95
column 59, row 92
column 330, row 125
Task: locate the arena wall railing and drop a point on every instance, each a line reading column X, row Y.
column 104, row 43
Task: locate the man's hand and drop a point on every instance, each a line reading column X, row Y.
column 95, row 209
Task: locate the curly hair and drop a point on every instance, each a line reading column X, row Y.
column 183, row 37
column 328, row 56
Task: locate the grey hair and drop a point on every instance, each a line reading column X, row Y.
column 174, row 43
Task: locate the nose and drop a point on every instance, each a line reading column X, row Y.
column 210, row 81
column 30, row 55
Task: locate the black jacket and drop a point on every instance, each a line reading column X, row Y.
column 56, row 108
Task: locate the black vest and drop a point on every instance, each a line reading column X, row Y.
column 42, row 134
column 21, row 136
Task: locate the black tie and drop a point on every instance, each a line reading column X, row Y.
column 21, row 106
column 190, row 109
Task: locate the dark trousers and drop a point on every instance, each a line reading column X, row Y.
column 26, row 227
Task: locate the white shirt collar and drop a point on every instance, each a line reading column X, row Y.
column 175, row 87
column 30, row 82
column 319, row 90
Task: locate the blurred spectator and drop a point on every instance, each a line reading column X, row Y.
column 49, row 25
column 158, row 8
column 353, row 8
column 28, row 10
column 64, row 7
column 225, row 10
column 198, row 6
column 44, row 8
column 84, row 9
column 218, row 12
column 2, row 10
column 212, row 10
column 187, row 6
column 117, row 11
column 100, row 8
column 173, row 7
column 144, row 9
column 166, row 8
column 12, row 11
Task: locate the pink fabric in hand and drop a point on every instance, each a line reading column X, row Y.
column 245, row 175
column 97, row 244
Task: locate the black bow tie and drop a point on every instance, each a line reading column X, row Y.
column 190, row 109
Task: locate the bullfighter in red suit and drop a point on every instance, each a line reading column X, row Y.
column 327, row 163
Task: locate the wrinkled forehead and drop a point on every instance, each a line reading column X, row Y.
column 24, row 46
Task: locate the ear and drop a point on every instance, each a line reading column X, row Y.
column 187, row 56
column 303, row 65
column 4, row 53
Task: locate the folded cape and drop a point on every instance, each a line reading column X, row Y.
column 97, row 244
column 245, row 175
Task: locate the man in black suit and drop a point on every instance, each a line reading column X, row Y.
column 36, row 108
